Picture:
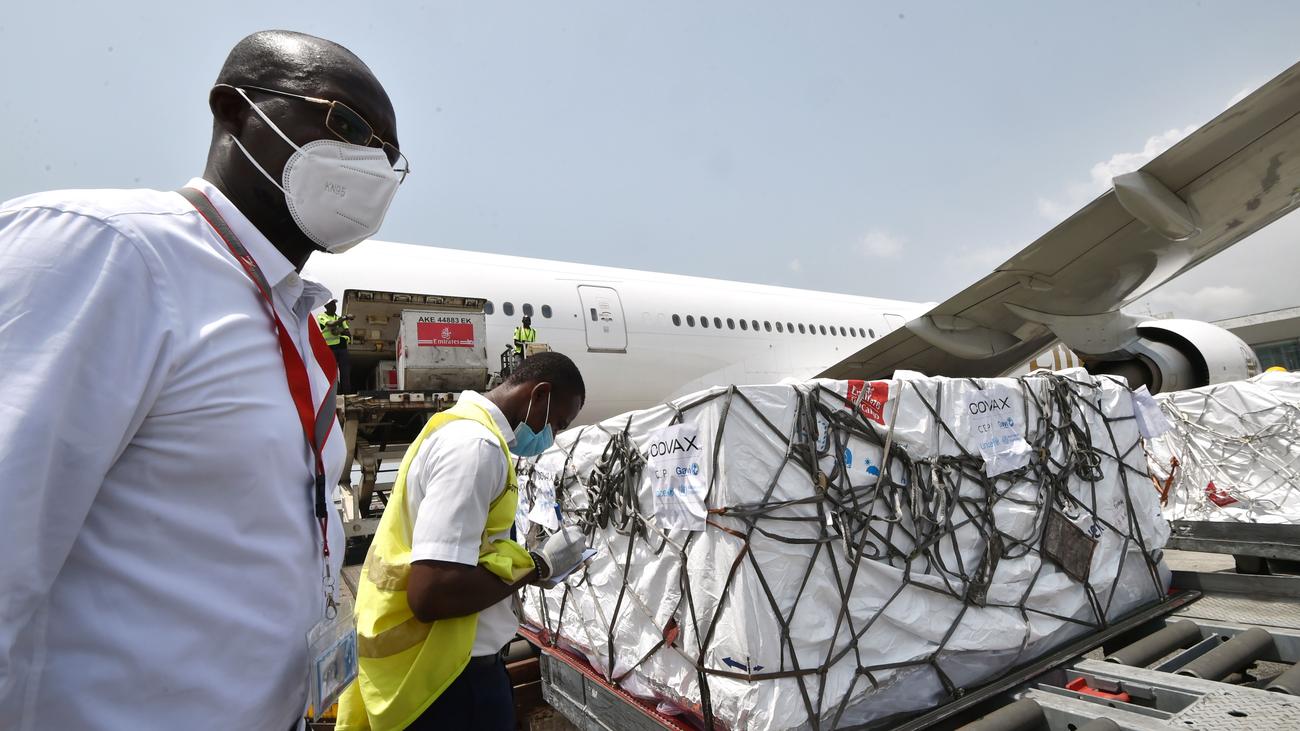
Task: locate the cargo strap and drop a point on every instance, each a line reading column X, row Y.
column 916, row 503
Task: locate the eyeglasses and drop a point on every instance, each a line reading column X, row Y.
column 349, row 126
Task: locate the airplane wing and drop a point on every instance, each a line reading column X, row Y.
column 1226, row 180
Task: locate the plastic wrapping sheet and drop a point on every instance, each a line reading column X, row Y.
column 1232, row 452
column 856, row 559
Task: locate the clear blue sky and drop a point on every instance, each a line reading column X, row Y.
column 888, row 149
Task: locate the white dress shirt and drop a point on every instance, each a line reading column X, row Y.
column 161, row 563
column 456, row 474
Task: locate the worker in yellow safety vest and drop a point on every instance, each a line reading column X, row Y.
column 433, row 605
column 337, row 336
column 524, row 334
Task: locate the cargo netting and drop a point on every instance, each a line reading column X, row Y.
column 1231, row 452
column 851, row 558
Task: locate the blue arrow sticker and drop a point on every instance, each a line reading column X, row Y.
column 741, row 666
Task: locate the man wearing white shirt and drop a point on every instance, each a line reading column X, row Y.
column 165, row 423
column 433, row 603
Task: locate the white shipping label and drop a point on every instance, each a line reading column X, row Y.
column 677, row 467
column 544, row 511
column 994, row 419
column 1151, row 420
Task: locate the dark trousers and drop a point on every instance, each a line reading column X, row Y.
column 340, row 352
column 480, row 698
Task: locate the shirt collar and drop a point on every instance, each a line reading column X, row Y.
column 275, row 267
column 502, row 423
column 306, row 294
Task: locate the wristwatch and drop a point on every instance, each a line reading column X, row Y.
column 543, row 570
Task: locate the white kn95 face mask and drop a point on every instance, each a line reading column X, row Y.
column 338, row 193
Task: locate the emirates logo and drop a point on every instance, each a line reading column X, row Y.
column 446, row 333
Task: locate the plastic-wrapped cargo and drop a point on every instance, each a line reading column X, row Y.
column 1231, row 452
column 829, row 553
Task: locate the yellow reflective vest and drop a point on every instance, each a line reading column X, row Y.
column 333, row 335
column 405, row 664
column 524, row 335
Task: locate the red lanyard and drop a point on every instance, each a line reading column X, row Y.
column 316, row 422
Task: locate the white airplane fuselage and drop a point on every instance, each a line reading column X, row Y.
column 639, row 338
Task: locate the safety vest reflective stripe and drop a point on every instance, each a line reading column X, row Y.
column 386, row 576
column 393, row 640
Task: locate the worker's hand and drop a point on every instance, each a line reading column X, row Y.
column 560, row 554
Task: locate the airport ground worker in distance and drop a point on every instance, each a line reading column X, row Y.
column 434, row 603
column 524, row 334
column 337, row 335
column 165, row 515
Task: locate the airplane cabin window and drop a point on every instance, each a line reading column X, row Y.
column 853, row 331
column 744, row 325
column 801, row 328
column 873, row 332
column 488, row 307
column 527, row 310
column 690, row 320
column 789, row 327
column 704, row 321
column 546, row 311
column 731, row 324
column 753, row 324
column 843, row 333
column 593, row 314
column 677, row 320
column 717, row 322
column 507, row 308
column 823, row 329
column 779, row 327
column 767, row 325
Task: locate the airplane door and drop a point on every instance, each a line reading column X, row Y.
column 603, row 314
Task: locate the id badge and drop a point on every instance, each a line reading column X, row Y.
column 332, row 655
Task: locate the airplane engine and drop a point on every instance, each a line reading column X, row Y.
column 1171, row 355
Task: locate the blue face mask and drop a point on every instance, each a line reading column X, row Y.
column 529, row 443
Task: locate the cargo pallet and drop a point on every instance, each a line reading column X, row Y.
column 1180, row 664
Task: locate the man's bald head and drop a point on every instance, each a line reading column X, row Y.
column 273, row 56
column 293, row 63
column 303, row 64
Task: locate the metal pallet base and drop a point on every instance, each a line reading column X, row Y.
column 1193, row 704
column 592, row 705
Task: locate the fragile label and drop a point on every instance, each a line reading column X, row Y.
column 677, row 468
column 869, row 397
column 444, row 334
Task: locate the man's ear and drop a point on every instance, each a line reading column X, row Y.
column 541, row 391
column 229, row 109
